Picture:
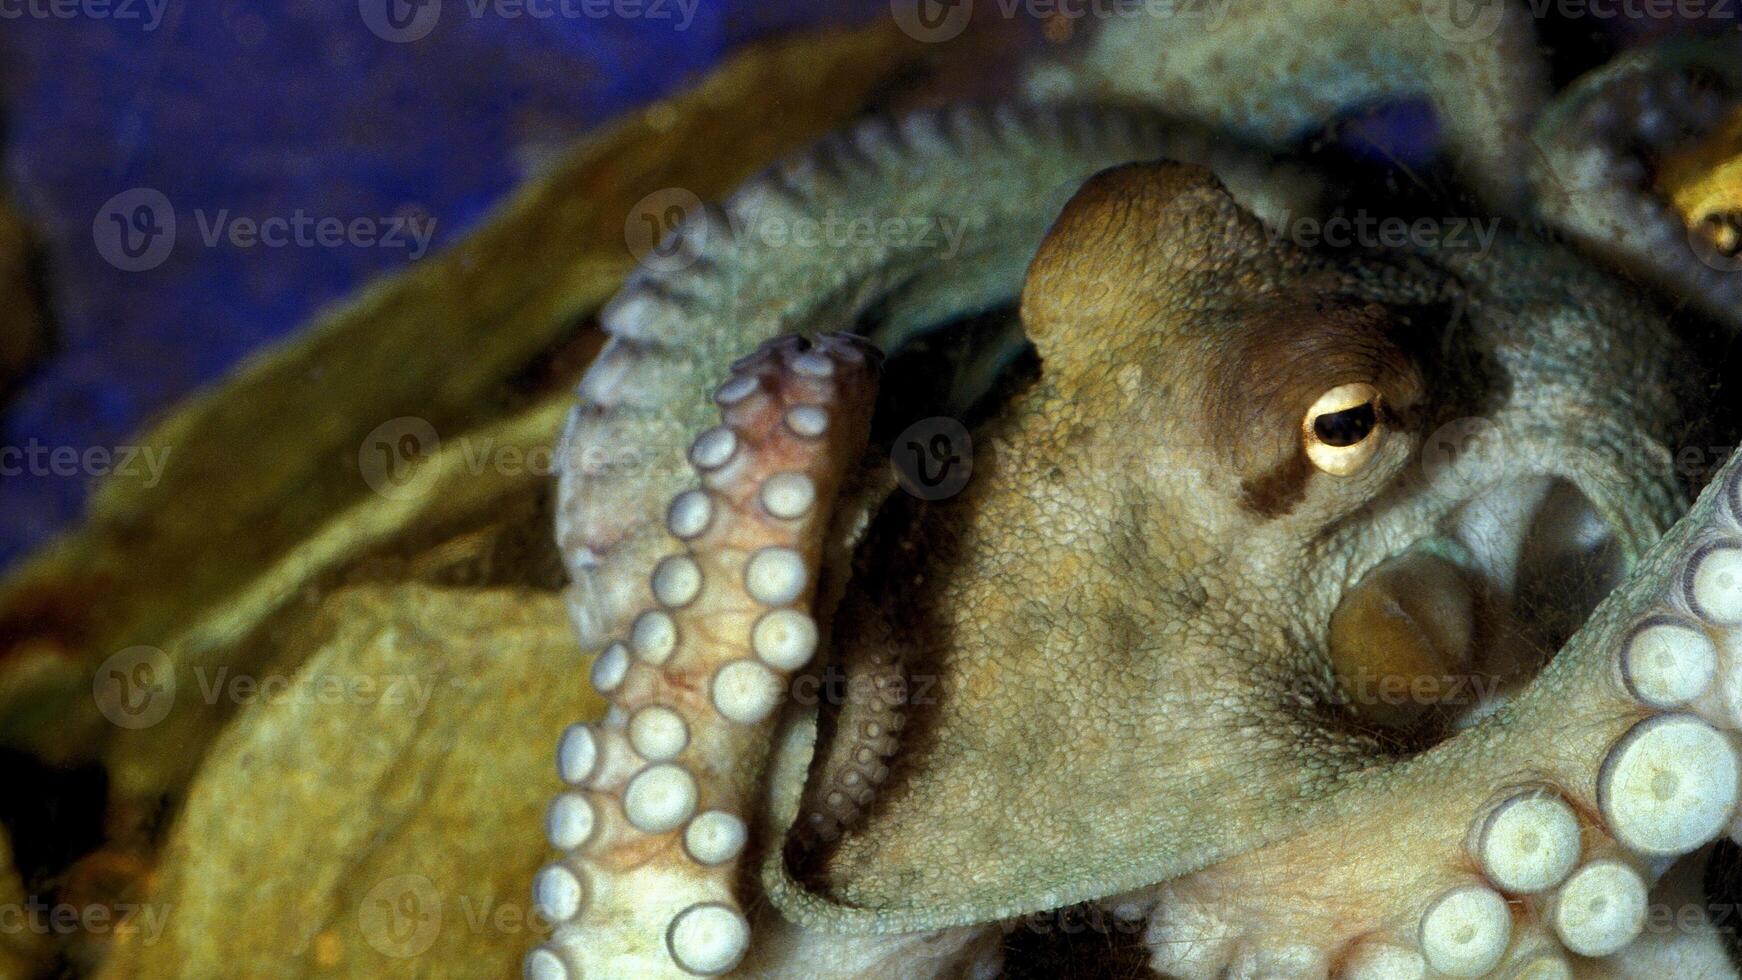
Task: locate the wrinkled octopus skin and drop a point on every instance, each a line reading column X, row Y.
column 1144, row 628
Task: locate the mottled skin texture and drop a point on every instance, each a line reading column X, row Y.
column 1115, row 638
column 1123, row 620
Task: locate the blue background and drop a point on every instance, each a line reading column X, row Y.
column 262, row 107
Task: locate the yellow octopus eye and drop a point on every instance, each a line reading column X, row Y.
column 1343, row 428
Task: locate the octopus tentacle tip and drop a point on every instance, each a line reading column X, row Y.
column 775, row 575
column 715, row 837
column 1712, row 584
column 577, row 754
column 570, row 821
column 1465, row 932
column 658, row 733
column 1600, row 909
column 785, row 639
column 660, row 798
column 1667, row 663
column 677, row 581
column 1669, row 785
column 1529, row 843
column 653, row 637
column 745, row 691
column 708, row 939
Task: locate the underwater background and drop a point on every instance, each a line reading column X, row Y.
column 235, row 110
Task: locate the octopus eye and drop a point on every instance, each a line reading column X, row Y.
column 1342, row 429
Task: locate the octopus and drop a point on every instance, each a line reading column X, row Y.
column 1304, row 611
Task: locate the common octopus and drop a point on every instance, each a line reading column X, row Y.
column 1311, row 611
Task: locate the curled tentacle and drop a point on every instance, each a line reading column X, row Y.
column 661, row 792
column 871, row 696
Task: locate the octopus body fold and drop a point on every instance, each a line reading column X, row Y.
column 1151, row 492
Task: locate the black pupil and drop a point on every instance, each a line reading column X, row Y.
column 1347, row 427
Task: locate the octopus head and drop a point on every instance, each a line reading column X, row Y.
column 1385, row 466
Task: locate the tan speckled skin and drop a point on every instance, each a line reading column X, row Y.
column 1120, row 651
